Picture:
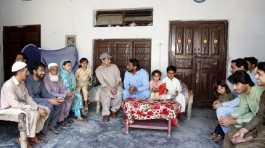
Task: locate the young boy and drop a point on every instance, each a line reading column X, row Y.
column 174, row 87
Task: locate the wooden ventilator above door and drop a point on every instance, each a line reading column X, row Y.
column 122, row 50
column 198, row 49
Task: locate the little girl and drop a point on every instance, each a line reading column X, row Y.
column 155, row 83
column 83, row 77
column 222, row 94
column 67, row 76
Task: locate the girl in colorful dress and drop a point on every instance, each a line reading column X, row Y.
column 155, row 83
column 68, row 77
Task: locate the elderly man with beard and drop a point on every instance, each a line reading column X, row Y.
column 56, row 88
column 15, row 98
column 252, row 135
column 40, row 95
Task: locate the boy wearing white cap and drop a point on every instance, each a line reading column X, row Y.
column 15, row 97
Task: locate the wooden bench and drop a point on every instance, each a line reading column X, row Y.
column 15, row 115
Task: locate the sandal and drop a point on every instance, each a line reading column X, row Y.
column 213, row 136
column 218, row 138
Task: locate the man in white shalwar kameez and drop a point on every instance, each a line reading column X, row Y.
column 174, row 88
column 15, row 98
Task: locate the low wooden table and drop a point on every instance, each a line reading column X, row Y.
column 150, row 114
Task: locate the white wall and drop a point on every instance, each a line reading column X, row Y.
column 60, row 17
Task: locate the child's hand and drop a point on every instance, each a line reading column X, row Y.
column 217, row 104
column 177, row 93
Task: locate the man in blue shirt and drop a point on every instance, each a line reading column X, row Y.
column 136, row 81
column 40, row 95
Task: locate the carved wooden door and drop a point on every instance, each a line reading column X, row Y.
column 122, row 53
column 198, row 49
column 101, row 46
column 142, row 52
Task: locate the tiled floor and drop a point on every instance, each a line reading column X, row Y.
column 95, row 134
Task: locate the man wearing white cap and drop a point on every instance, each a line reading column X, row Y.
column 15, row 97
column 110, row 90
column 56, row 88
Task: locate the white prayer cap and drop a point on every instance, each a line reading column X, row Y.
column 52, row 65
column 18, row 66
column 104, row 55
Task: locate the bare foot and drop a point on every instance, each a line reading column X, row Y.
column 80, row 119
column 34, row 140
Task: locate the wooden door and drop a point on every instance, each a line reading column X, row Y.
column 101, row 46
column 142, row 52
column 122, row 53
column 198, row 49
column 122, row 50
column 14, row 39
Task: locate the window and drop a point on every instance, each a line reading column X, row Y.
column 114, row 18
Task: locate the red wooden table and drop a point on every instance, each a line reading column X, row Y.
column 147, row 114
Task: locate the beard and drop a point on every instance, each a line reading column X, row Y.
column 41, row 76
column 54, row 78
column 129, row 70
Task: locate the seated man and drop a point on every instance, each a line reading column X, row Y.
column 110, row 91
column 41, row 96
column 136, row 81
column 226, row 108
column 249, row 102
column 174, row 87
column 14, row 95
column 56, row 88
column 236, row 64
column 252, row 66
column 242, row 139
